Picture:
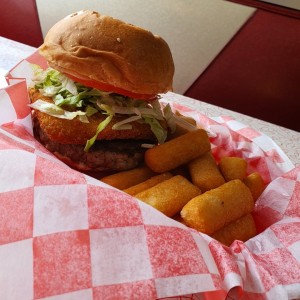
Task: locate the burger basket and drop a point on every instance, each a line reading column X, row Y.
column 65, row 235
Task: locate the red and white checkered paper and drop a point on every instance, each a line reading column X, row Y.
column 65, row 235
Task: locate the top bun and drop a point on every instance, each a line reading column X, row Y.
column 92, row 46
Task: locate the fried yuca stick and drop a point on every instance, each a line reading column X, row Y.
column 233, row 168
column 216, row 208
column 187, row 119
column 184, row 124
column 133, row 190
column 178, row 151
column 125, row 179
column 241, row 229
column 255, row 183
column 205, row 173
column 178, row 218
column 170, row 195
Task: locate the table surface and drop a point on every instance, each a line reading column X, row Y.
column 12, row 52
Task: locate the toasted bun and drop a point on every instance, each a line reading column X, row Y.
column 92, row 46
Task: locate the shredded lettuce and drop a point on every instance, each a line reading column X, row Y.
column 55, row 111
column 101, row 126
column 90, row 110
column 159, row 132
column 125, row 124
column 72, row 99
column 170, row 117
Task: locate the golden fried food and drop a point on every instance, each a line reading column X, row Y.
column 216, row 208
column 170, row 195
column 178, row 151
column 184, row 124
column 255, row 183
column 76, row 132
column 233, row 168
column 133, row 190
column 205, row 173
column 185, row 118
column 241, row 229
column 178, row 218
column 126, row 179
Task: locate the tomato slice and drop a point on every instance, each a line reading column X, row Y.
column 110, row 88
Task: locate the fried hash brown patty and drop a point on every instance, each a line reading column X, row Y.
column 77, row 133
column 115, row 150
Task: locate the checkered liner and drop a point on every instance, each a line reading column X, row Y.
column 65, row 235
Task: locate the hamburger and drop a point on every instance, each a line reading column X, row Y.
column 96, row 106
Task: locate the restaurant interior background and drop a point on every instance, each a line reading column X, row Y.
column 242, row 55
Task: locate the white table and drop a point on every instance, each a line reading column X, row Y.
column 12, row 52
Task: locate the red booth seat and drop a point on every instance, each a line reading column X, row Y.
column 20, row 22
column 258, row 72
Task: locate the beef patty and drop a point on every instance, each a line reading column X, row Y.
column 116, row 155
